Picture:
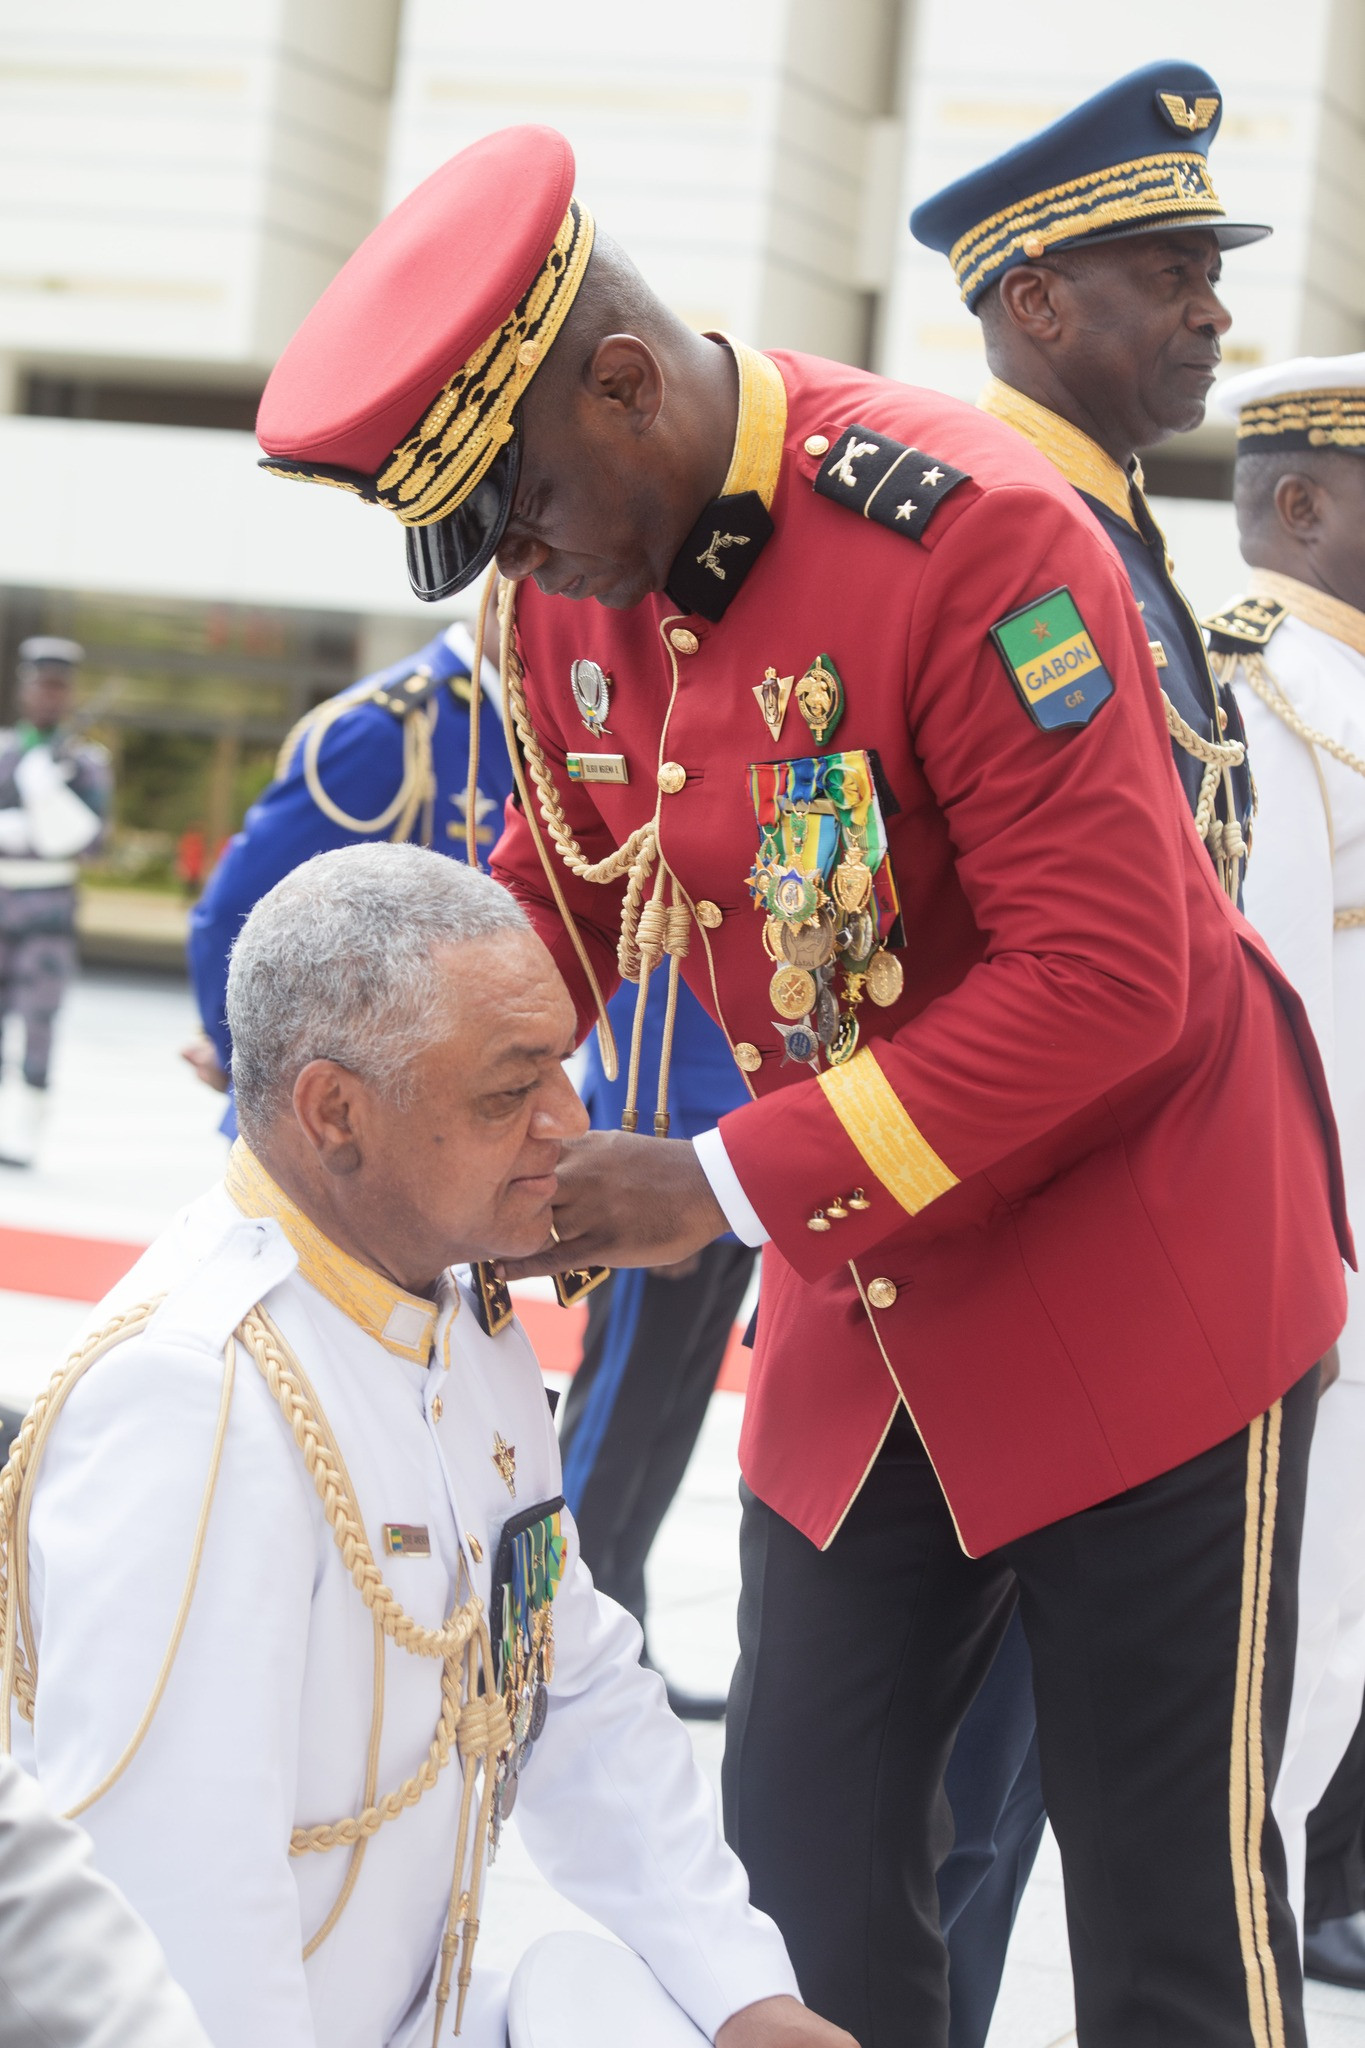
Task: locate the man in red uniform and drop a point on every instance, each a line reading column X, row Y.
column 862, row 719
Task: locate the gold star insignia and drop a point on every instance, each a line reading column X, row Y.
column 484, row 835
column 932, row 477
column 905, row 511
column 1042, row 631
column 505, row 1458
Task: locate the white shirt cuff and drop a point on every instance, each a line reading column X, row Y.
column 740, row 1212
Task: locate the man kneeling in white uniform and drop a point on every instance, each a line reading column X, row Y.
column 296, row 1610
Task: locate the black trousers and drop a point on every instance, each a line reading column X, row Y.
column 633, row 1412
column 1336, row 1841
column 1161, row 1626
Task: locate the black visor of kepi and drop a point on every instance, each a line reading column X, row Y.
column 451, row 552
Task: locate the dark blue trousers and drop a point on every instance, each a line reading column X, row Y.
column 995, row 1790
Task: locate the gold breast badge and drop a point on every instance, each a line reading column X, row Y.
column 774, row 695
column 820, row 698
column 505, row 1458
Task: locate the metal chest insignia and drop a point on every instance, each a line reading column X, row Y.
column 591, row 686
column 526, row 1576
column 1051, row 659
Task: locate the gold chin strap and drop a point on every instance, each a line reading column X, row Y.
column 472, row 1716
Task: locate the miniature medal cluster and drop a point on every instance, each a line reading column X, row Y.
column 822, row 880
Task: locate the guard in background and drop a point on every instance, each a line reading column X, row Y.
column 387, row 758
column 1102, row 336
column 656, row 1337
column 1294, row 650
column 55, row 791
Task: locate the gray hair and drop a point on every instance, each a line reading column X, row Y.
column 336, row 963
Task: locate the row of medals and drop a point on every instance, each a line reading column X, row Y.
column 528, row 1702
column 811, row 944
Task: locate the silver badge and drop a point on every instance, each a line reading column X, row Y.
column 591, row 686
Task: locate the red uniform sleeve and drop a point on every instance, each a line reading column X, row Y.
column 594, row 907
column 1068, row 846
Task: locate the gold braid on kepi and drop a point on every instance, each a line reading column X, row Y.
column 449, row 451
column 1130, row 160
column 1301, row 420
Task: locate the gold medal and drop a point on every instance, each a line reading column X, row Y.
column 843, row 1048
column 852, row 880
column 806, row 945
column 856, row 937
column 773, row 695
column 791, row 992
column 820, row 697
column 885, row 979
column 773, row 928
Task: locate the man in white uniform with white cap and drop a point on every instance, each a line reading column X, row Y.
column 295, row 1609
column 1294, row 649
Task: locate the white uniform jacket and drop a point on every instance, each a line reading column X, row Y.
column 265, row 1722
column 1307, row 867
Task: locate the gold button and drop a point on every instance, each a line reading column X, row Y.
column 858, row 1200
column 819, row 1221
column 837, row 1210
column 817, row 444
column 672, row 777
column 709, row 914
column 437, row 1407
column 1222, row 719
column 748, row 1058
column 684, row 639
column 881, row 1293
column 475, row 1548
column 1034, row 246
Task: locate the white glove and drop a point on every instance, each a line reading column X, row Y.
column 59, row 824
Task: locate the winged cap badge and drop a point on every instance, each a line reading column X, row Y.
column 1192, row 119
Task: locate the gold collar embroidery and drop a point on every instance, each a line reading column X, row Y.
column 1081, row 461
column 760, row 430
column 403, row 1323
column 1314, row 607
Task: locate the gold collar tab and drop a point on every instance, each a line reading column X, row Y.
column 1083, row 463
column 1314, row 607
column 403, row 1323
column 761, row 427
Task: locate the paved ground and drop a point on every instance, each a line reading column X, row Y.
column 132, row 1136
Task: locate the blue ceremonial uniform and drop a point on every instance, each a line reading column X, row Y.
column 379, row 778
column 1132, row 160
column 654, row 1342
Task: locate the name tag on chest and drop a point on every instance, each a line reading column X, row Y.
column 407, row 1539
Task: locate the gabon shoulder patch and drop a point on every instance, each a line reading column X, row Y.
column 1051, row 659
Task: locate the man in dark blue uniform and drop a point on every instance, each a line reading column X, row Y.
column 386, row 759
column 656, row 1336
column 1093, row 269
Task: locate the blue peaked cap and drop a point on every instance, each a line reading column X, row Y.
column 1131, row 159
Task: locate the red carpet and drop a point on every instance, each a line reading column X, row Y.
column 85, row 1268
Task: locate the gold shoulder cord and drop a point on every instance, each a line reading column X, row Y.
column 1262, row 680
column 475, row 1719
column 416, row 790
column 651, row 929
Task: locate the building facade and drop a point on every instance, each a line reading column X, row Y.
column 181, row 181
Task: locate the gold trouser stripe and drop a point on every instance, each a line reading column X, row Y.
column 1247, row 1793
column 879, row 1125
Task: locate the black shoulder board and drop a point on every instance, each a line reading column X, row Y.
column 897, row 486
column 411, row 692
column 1249, row 623
column 493, row 1309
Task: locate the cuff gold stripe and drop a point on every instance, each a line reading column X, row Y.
column 877, row 1122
